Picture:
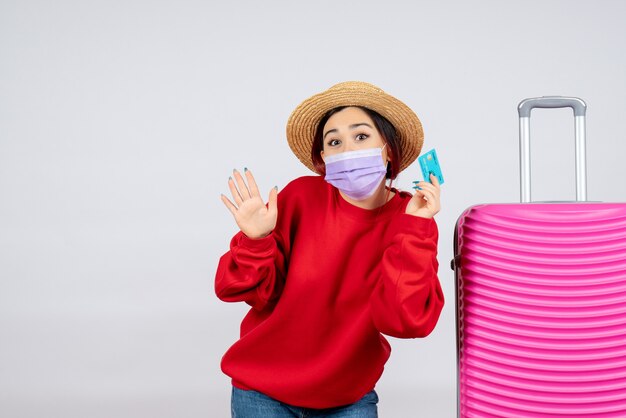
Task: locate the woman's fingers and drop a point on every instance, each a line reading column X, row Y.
column 253, row 216
column 229, row 205
column 239, row 189
column 432, row 200
column 243, row 189
column 428, row 186
column 428, row 189
column 254, row 189
column 272, row 205
column 425, row 201
column 434, row 180
column 234, row 192
column 428, row 192
column 430, row 196
column 432, row 189
column 423, row 195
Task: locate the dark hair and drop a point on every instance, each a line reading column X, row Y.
column 384, row 128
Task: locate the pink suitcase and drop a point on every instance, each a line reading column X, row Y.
column 541, row 299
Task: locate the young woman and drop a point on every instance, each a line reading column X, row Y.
column 332, row 262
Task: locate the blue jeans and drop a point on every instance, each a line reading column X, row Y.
column 251, row 404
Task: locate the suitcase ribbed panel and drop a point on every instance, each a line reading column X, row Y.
column 542, row 310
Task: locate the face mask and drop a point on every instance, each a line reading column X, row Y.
column 356, row 173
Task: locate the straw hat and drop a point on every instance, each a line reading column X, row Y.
column 304, row 119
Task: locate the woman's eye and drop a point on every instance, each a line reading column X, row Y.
column 361, row 137
column 334, row 142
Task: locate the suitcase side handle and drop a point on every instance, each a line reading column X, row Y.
column 580, row 109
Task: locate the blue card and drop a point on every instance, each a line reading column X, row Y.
column 430, row 164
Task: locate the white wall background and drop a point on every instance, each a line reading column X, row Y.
column 120, row 122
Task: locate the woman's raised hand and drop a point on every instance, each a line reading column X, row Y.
column 425, row 202
column 252, row 216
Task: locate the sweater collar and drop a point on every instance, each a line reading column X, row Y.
column 392, row 207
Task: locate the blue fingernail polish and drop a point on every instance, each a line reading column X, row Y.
column 245, row 169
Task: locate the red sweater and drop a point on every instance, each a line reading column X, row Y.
column 323, row 286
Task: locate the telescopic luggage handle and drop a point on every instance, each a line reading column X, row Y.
column 579, row 107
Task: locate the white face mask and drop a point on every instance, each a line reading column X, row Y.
column 356, row 173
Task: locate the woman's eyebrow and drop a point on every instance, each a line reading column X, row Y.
column 327, row 132
column 353, row 126
column 356, row 125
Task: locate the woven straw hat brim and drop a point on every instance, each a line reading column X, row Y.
column 303, row 121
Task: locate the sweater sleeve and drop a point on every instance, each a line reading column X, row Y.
column 407, row 300
column 253, row 271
